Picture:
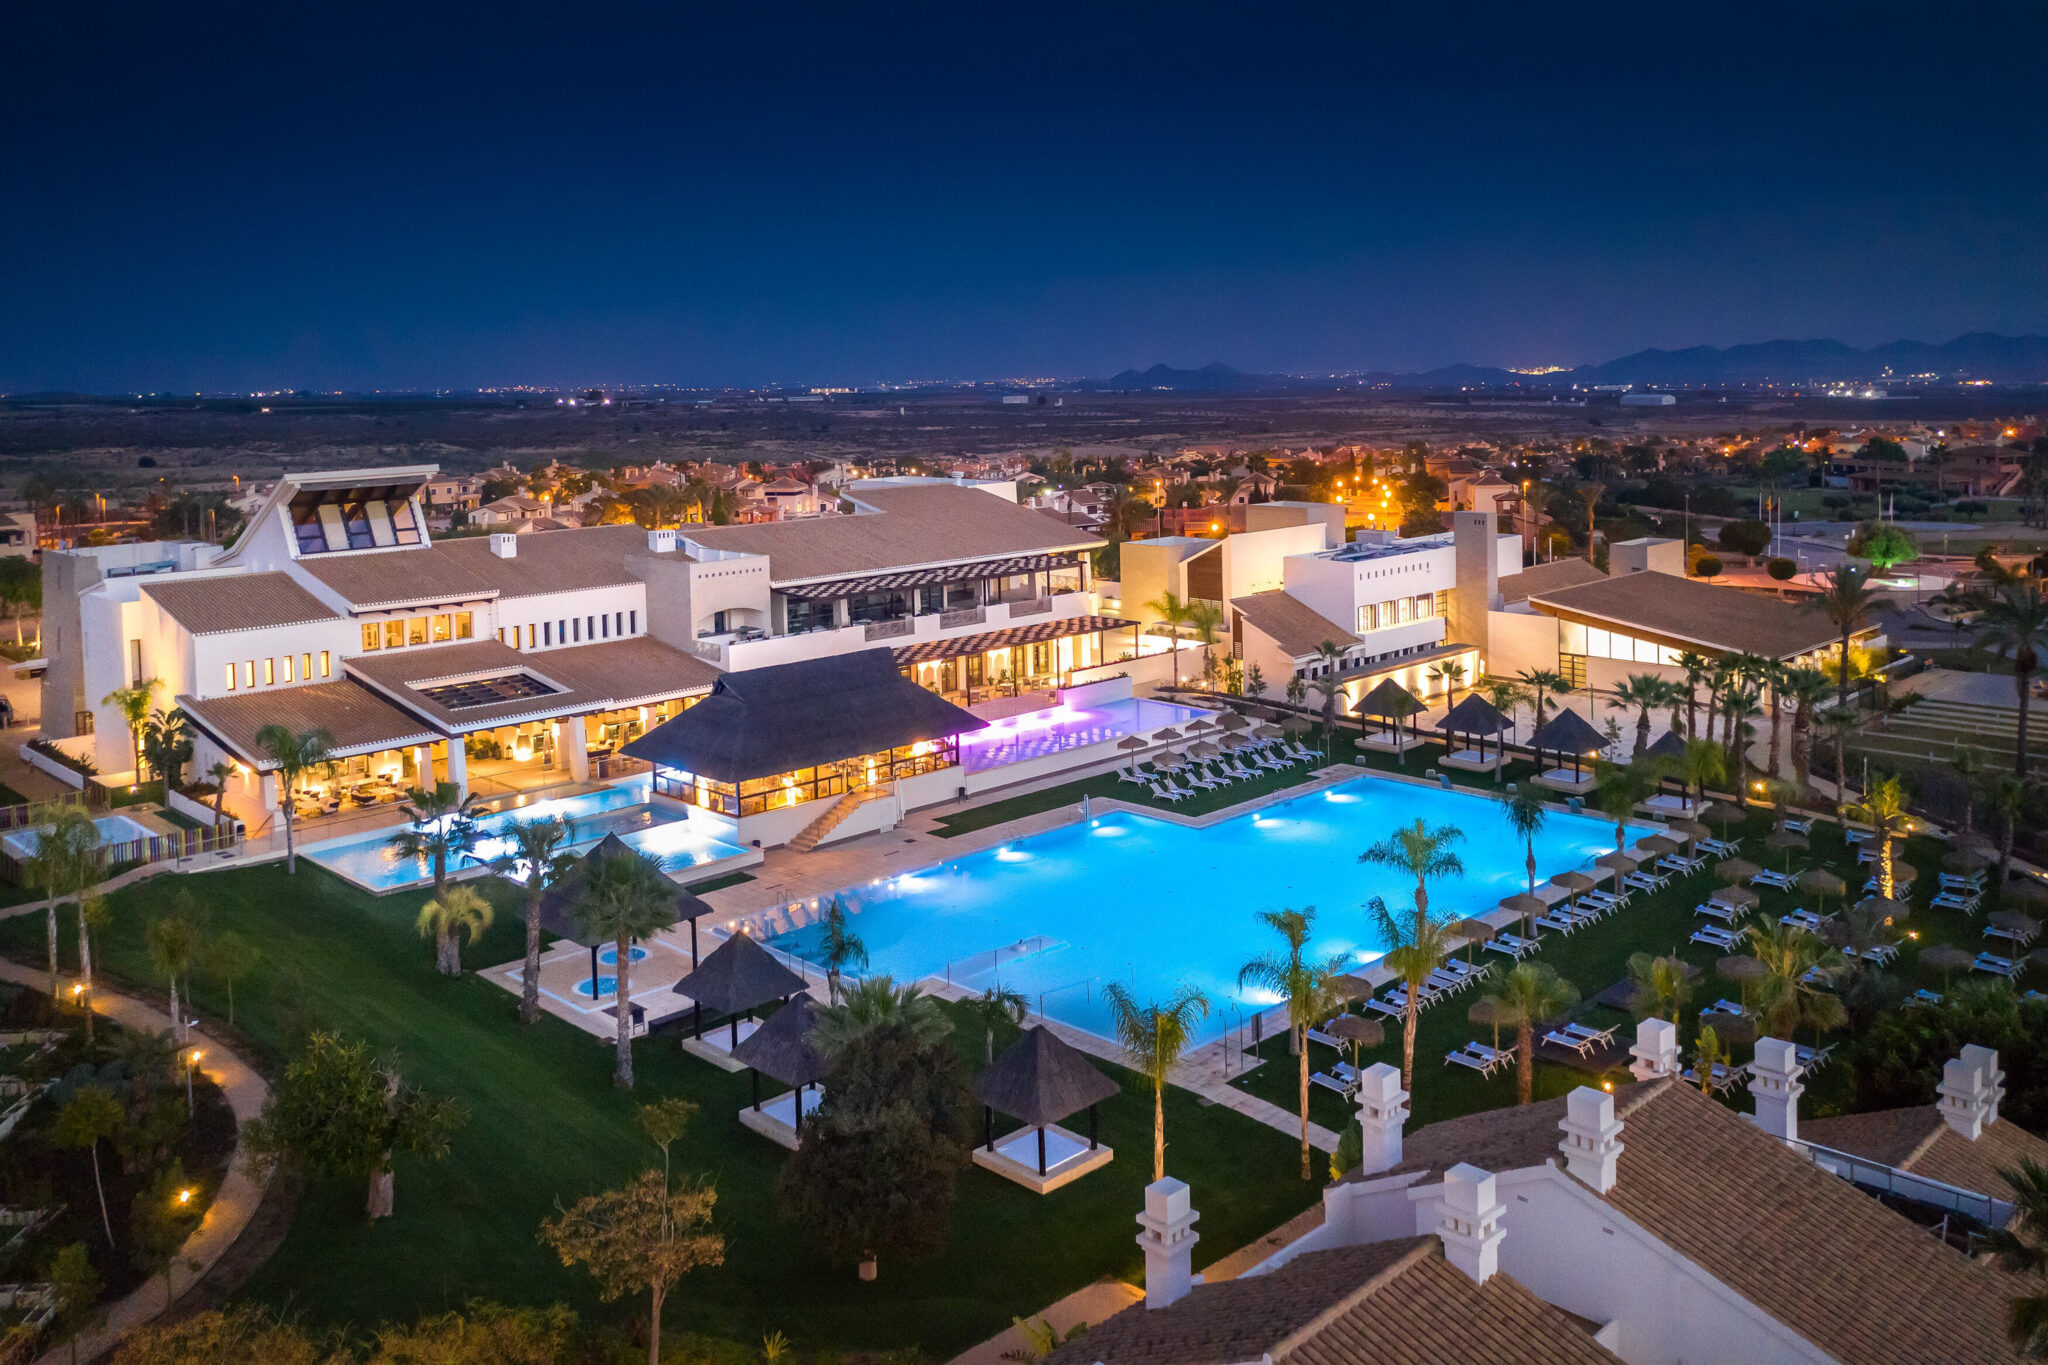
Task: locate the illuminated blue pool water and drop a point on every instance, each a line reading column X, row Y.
column 1153, row 904
column 623, row 810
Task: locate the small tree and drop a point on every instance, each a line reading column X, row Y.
column 457, row 910
column 338, row 1109
column 643, row 1235
column 228, row 958
column 442, row 828
column 173, row 942
column 165, row 1213
column 133, row 704
column 293, row 754
column 537, row 846
column 1415, row 947
column 91, row 1115
column 1884, row 543
column 1745, row 537
column 218, row 774
column 66, row 861
column 77, row 1287
column 1781, row 569
column 1529, row 994
column 839, row 947
column 1526, row 815
column 992, row 1009
column 167, row 745
column 1707, row 566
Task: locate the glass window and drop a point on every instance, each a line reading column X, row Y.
column 1425, row 607
column 1647, row 653
column 1667, row 656
column 287, row 668
column 462, row 625
column 394, row 634
column 632, row 623
column 248, row 672
column 415, row 630
column 804, row 615
column 373, row 635
column 402, row 522
column 529, row 635
column 439, row 625
column 1599, row 643
column 269, row 672
column 547, row 632
column 306, row 666
column 323, row 663
column 1571, row 637
column 1407, row 608
column 231, row 677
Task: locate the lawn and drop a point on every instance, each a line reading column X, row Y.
column 1594, row 959
column 545, row 1125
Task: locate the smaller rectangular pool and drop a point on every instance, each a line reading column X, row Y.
column 1051, row 729
column 680, row 842
column 114, row 829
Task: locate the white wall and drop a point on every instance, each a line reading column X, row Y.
column 1337, row 588
column 1255, row 561
column 1520, row 642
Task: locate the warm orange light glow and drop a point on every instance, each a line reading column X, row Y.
column 185, row 1196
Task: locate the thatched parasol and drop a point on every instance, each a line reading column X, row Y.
column 2023, row 891
column 781, row 1050
column 1692, row 829
column 1742, row 969
column 1720, row 813
column 1474, row 932
column 561, row 904
column 1204, row 749
column 1233, row 722
column 1166, row 735
column 1619, row 863
column 1488, row 1009
column 1133, row 746
column 1358, row 1031
column 1574, row 882
column 1946, row 958
column 1040, row 1080
column 2014, row 922
column 739, row 975
column 1967, row 859
column 1352, row 988
column 1736, row 895
column 1730, row 1028
column 1786, row 838
column 1297, row 725
column 1672, row 745
column 1888, row 910
column 1821, row 882
column 1656, row 845
column 1732, row 870
column 1525, row 905
column 1569, row 733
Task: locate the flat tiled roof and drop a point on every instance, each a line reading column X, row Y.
column 1291, row 623
column 911, row 527
column 231, row 602
column 464, row 569
column 586, row 678
column 1726, row 620
column 359, row 720
column 1551, row 577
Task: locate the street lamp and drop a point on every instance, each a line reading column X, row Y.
column 191, row 1060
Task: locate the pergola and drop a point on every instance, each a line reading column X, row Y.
column 1478, row 717
column 1567, row 732
column 561, row 904
column 1392, row 703
column 1040, row 1080
column 735, row 978
column 781, row 1049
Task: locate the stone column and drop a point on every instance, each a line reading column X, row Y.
column 1774, row 1081
column 458, row 762
column 575, row 743
column 1470, row 1222
column 1382, row 1112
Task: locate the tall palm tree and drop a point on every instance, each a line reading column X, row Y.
column 173, row 941
column 1329, row 687
column 442, row 828
column 1422, row 853
column 538, row 847
column 1847, row 600
column 1968, row 765
column 1544, row 682
column 2008, row 801
column 1773, row 675
column 1526, row 816
column 1590, row 494
column 1840, row 723
column 1808, row 688
column 1621, row 790
column 1738, row 709
column 1785, row 999
column 218, row 774
column 1451, row 674
column 294, row 753
column 1415, row 948
column 1306, row 986
column 1701, row 762
column 1153, row 1037
column 1505, row 695
column 1205, row 618
column 1530, row 993
column 1642, row 693
column 66, row 861
column 456, row 910
column 878, row 1002
column 1658, row 985
column 993, row 1008
column 1174, row 612
column 1698, row 668
column 626, row 898
column 2015, row 626
column 1883, row 808
column 839, row 946
column 133, row 704
column 2022, row 1249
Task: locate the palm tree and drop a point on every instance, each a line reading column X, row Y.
column 1329, row 687
column 1659, row 986
column 1590, row 494
column 839, row 946
column 293, row 754
column 1785, row 999
column 1807, row 687
column 1526, row 815
column 2015, row 626
column 2008, row 802
column 442, row 828
column 1847, row 601
column 93, row 915
column 1709, row 1052
column 1505, row 695
column 1772, row 675
column 2022, row 1249
column 1840, row 723
column 1307, row 988
column 1174, row 612
column 1698, row 668
column 1738, row 708
column 1621, row 790
column 1153, row 1037
column 1529, row 993
column 1415, row 948
column 173, row 941
column 994, row 1007
column 1452, row 675
column 1422, row 853
column 1544, row 681
column 878, row 1002
column 218, row 774
column 456, row 910
column 1206, row 618
column 1968, row 765
column 1645, row 692
column 537, row 846
column 66, row 861
column 92, row 1114
column 626, row 898
column 1883, row 808
column 133, row 704
column 1701, row 762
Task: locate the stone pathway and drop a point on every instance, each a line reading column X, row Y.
column 232, row 1206
column 1090, row 1305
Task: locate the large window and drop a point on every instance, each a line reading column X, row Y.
column 807, row 615
column 878, row 606
column 1595, row 642
column 760, row 794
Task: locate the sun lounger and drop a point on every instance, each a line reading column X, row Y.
column 1329, row 1082
column 1972, row 881
column 1644, row 881
column 1386, row 1007
column 1477, row 1056
column 1883, row 954
column 1604, row 901
column 1514, row 945
column 1679, row 865
column 1855, row 836
column 1923, row 996
column 1562, row 924
column 1316, row 1035
column 2018, row 938
column 1967, row 902
column 1723, row 939
column 1726, row 1007
column 1720, row 1082
column 1722, row 848
column 1780, row 881
column 1816, row 977
column 1579, row 1038
column 1805, row 919
column 1996, row 965
column 1800, row 826
column 1727, row 914
column 1812, row 1059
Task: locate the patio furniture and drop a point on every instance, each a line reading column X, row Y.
column 1721, row 848
column 1923, row 996
column 1715, row 938
column 1777, row 881
column 1039, row 1080
column 1883, row 954
column 1996, row 965
column 1720, row 1080
column 1799, row 825
column 1329, row 1082
column 1805, row 919
column 1727, row 914
column 1561, row 924
column 1579, row 1038
column 1514, row 945
column 1727, row 1007
column 1475, row 1056
column 2018, row 929
column 1645, row 881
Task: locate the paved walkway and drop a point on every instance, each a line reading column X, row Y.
column 1090, row 1305
column 232, row 1206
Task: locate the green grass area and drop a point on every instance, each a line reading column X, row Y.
column 1595, row 958
column 546, row 1125
column 720, row 883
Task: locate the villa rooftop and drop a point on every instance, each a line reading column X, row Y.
column 1918, row 1140
column 1552, row 577
column 1291, row 623
column 574, row 681
column 466, row 569
column 358, row 720
column 1687, row 612
column 230, row 602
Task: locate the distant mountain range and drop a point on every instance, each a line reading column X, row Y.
column 1980, row 355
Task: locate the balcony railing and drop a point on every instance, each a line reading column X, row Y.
column 890, row 630
column 966, row 616
column 1037, row 606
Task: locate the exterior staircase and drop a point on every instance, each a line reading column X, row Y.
column 813, row 834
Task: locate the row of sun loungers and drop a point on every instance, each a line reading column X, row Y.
column 1476, row 1057
column 1448, row 979
column 1579, row 1038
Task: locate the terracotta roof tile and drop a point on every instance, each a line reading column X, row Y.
column 359, row 720
column 1688, row 611
column 1916, row 1139
column 1291, row 623
column 1559, row 573
column 229, row 602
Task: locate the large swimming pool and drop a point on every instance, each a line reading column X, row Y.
column 1153, row 903
column 624, row 809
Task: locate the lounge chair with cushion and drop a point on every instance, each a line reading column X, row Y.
column 1724, row 939
column 1514, row 945
column 1329, row 1082
column 1727, row 914
column 1477, row 1056
column 1996, row 965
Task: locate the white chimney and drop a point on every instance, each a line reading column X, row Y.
column 1382, row 1112
column 1656, row 1050
column 1971, row 1087
column 1592, row 1138
column 661, row 542
column 1469, row 1222
column 1774, row 1081
column 504, row 545
column 1167, row 1235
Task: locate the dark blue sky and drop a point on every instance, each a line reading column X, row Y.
column 356, row 196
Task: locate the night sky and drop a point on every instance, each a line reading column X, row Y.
column 354, row 196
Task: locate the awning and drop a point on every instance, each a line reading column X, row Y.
column 931, row 651
column 919, row 578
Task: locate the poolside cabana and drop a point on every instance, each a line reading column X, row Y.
column 737, row 977
column 1567, row 732
column 561, row 917
column 1669, row 746
column 1390, row 703
column 1041, row 1080
column 781, row 1050
column 1476, row 718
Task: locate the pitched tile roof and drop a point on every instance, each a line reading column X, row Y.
column 1916, row 1139
column 228, row 602
column 1688, row 611
column 584, row 678
column 1559, row 573
column 910, row 526
column 359, row 720
column 1396, row 1301
column 377, row 579
column 1291, row 623
column 465, row 570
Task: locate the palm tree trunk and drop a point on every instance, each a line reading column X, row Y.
column 1305, row 1174
column 654, row 1324
column 1531, row 865
column 529, row 983
column 1525, row 1063
column 291, row 856
column 445, row 959
column 1642, row 733
column 622, row 999
column 50, row 932
column 1158, row 1128
column 1842, row 673
column 1410, row 1015
column 381, row 1201
column 85, row 968
column 1777, row 732
column 1841, row 772
column 2020, row 740
column 105, row 1221
column 177, row 1015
